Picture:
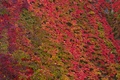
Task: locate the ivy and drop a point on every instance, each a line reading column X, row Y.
column 59, row 40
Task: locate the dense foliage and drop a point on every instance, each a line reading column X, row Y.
column 59, row 40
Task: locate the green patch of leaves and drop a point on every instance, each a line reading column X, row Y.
column 3, row 11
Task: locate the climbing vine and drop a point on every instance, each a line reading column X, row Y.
column 59, row 40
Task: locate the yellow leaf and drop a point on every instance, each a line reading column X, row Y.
column 64, row 77
column 91, row 12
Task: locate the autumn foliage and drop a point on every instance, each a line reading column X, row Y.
column 59, row 40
